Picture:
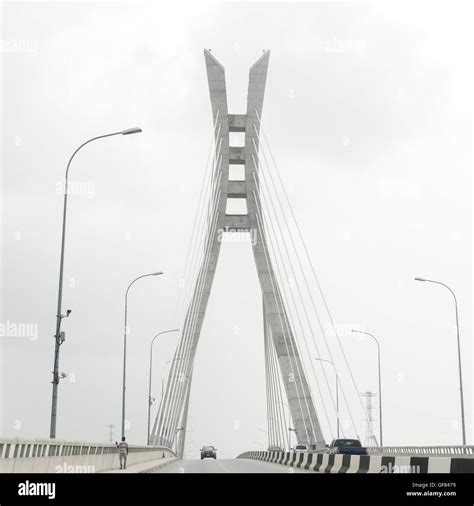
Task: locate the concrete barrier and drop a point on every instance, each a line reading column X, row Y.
column 53, row 456
column 324, row 463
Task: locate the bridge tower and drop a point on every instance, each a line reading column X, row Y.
column 170, row 423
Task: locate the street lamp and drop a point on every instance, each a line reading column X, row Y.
column 125, row 345
column 380, row 381
column 59, row 336
column 150, row 402
column 337, row 390
column 459, row 353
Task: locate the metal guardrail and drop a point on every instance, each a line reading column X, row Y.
column 35, row 448
column 435, row 451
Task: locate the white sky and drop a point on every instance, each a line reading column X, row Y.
column 395, row 112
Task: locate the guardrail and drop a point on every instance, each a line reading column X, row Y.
column 48, row 455
column 437, row 451
column 35, row 448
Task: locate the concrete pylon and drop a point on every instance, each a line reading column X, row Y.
column 303, row 413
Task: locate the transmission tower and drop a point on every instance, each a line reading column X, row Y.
column 370, row 439
column 111, row 428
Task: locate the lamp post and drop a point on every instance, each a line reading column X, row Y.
column 125, row 345
column 337, row 390
column 150, row 402
column 380, row 381
column 459, row 353
column 59, row 336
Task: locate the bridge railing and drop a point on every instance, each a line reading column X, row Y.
column 438, row 451
column 56, row 456
column 37, row 448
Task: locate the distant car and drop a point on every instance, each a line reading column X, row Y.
column 276, row 449
column 301, row 449
column 208, row 451
column 346, row 447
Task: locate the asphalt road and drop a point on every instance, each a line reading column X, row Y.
column 226, row 466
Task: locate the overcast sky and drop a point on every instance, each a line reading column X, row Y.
column 374, row 142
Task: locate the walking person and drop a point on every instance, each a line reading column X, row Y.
column 123, row 452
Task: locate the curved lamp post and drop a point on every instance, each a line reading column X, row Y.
column 59, row 337
column 380, row 381
column 125, row 345
column 459, row 353
column 150, row 402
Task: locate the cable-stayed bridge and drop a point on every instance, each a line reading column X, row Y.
column 243, row 192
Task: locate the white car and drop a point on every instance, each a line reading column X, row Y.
column 301, row 449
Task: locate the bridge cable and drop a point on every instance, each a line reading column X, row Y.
column 197, row 262
column 315, row 310
column 173, row 368
column 177, row 375
column 194, row 229
column 295, row 305
column 277, row 397
column 286, row 339
column 295, row 277
column 176, row 370
column 314, row 275
column 189, row 335
column 292, row 321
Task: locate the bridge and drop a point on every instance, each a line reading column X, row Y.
column 302, row 347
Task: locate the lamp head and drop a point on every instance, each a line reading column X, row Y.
column 134, row 130
column 157, row 273
column 420, row 279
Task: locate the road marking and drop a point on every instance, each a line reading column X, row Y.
column 223, row 467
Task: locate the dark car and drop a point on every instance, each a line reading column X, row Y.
column 346, row 447
column 208, row 451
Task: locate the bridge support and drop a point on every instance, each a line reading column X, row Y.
column 174, row 410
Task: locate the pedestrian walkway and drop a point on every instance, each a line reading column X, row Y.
column 143, row 467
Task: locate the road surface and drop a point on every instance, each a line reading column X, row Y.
column 226, row 466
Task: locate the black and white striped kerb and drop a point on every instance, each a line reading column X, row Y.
column 324, row 463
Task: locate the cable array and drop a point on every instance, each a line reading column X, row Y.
column 291, row 275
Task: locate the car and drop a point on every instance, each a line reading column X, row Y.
column 346, row 447
column 208, row 451
column 301, row 448
column 276, row 449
